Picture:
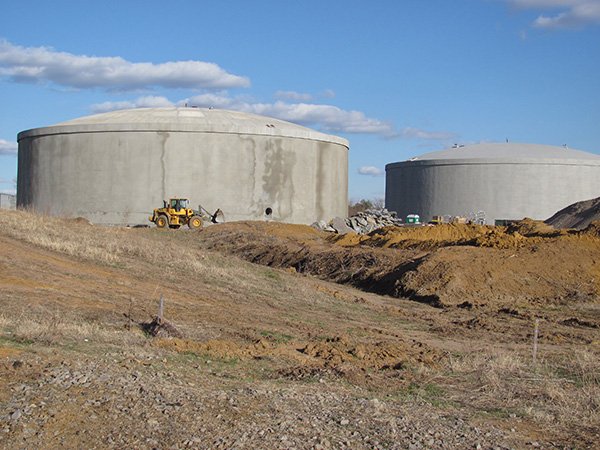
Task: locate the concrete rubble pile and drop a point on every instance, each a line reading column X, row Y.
column 362, row 223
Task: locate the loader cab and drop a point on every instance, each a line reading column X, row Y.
column 178, row 203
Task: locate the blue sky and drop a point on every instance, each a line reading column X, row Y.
column 396, row 78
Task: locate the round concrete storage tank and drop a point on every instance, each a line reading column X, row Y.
column 504, row 181
column 114, row 168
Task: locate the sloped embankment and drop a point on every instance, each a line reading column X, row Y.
column 578, row 215
column 526, row 263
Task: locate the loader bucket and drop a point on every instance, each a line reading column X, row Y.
column 218, row 217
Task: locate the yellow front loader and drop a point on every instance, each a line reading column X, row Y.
column 176, row 212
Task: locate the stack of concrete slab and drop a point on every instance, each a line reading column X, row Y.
column 362, row 223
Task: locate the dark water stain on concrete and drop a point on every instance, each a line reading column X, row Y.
column 278, row 184
column 163, row 136
column 320, row 181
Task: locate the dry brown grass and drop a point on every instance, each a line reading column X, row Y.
column 58, row 329
column 104, row 245
column 562, row 391
column 120, row 246
column 52, row 234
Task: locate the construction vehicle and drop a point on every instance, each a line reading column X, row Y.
column 436, row 220
column 176, row 212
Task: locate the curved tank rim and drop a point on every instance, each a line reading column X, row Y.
column 490, row 153
column 185, row 120
column 499, row 161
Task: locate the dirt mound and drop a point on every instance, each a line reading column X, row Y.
column 556, row 273
column 276, row 229
column 215, row 348
column 426, row 237
column 532, row 228
column 446, row 235
column 161, row 328
column 337, row 351
column 444, row 265
column 499, row 238
column 578, row 215
column 526, row 232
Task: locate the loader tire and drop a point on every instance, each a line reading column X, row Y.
column 195, row 222
column 162, row 222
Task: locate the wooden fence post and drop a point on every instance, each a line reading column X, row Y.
column 535, row 339
column 161, row 308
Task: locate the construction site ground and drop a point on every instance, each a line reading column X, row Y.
column 282, row 336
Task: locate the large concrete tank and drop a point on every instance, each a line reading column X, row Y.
column 504, row 181
column 114, row 168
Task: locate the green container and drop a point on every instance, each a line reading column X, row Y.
column 413, row 218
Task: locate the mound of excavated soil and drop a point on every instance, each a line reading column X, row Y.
column 578, row 215
column 427, row 237
column 532, row 228
column 527, row 263
column 447, row 235
column 339, row 352
column 560, row 271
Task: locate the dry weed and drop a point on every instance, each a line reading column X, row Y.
column 118, row 246
column 56, row 329
column 564, row 391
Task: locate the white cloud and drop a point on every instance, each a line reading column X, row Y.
column 217, row 100
column 544, row 3
column 293, row 95
column 142, row 102
column 568, row 13
column 8, row 147
column 328, row 118
column 43, row 64
column 416, row 133
column 303, row 97
column 371, row 171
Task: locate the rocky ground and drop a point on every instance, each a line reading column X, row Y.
column 155, row 402
column 294, row 355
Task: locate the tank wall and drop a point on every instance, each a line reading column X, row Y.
column 119, row 177
column 502, row 191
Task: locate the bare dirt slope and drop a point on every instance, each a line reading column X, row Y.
column 578, row 215
column 272, row 358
